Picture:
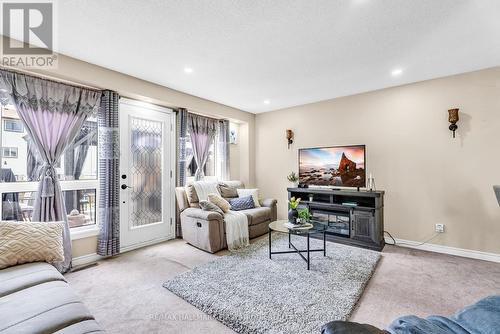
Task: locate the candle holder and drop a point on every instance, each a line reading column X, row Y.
column 453, row 119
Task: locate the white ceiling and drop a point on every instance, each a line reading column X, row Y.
column 289, row 52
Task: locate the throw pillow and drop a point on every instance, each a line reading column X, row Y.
column 227, row 191
column 250, row 192
column 207, row 206
column 191, row 194
column 242, row 203
column 23, row 242
column 219, row 201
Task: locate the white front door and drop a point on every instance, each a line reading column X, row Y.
column 147, row 160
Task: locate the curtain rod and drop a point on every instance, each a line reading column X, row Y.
column 49, row 78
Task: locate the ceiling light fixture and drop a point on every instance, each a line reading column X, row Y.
column 267, row 101
column 188, row 70
column 397, row 72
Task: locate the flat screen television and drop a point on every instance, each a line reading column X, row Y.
column 335, row 166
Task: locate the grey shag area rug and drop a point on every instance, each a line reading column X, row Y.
column 250, row 293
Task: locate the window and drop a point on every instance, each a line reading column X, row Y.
column 191, row 166
column 76, row 170
column 13, row 125
column 9, row 152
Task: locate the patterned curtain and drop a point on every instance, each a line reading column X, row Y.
column 108, row 242
column 223, row 150
column 181, row 160
column 202, row 132
column 53, row 114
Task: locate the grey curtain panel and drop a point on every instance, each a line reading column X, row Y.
column 223, row 150
column 202, row 131
column 53, row 114
column 181, row 132
column 182, row 118
column 108, row 241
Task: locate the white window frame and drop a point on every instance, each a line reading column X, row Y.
column 14, row 121
column 76, row 232
column 215, row 177
column 11, row 149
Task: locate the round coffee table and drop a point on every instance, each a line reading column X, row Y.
column 314, row 228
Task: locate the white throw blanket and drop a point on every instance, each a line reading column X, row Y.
column 236, row 230
column 204, row 188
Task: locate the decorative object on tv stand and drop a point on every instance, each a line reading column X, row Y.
column 293, row 214
column 453, row 119
column 371, row 183
column 293, row 178
column 289, row 137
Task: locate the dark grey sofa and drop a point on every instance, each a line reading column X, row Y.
column 35, row 298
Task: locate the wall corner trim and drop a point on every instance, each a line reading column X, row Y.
column 469, row 253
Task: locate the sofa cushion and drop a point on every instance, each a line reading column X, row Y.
column 257, row 215
column 191, row 195
column 87, row 327
column 250, row 192
column 207, row 206
column 23, row 242
column 242, row 203
column 27, row 275
column 228, row 191
column 220, row 202
column 43, row 308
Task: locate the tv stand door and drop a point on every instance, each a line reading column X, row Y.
column 363, row 226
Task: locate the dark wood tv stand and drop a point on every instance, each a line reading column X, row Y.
column 356, row 217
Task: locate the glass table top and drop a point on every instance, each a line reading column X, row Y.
column 317, row 227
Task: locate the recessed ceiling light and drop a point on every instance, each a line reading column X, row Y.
column 188, row 70
column 397, row 72
column 267, row 101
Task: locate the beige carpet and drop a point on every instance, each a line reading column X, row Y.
column 126, row 295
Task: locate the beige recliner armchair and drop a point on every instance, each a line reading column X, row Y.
column 206, row 230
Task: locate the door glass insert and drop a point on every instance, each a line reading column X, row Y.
column 146, row 148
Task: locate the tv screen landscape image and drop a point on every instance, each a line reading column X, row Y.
column 337, row 166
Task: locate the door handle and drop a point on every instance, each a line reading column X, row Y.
column 124, row 186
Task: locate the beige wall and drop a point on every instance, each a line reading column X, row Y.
column 234, row 153
column 428, row 176
column 81, row 72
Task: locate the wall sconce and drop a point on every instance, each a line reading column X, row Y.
column 453, row 119
column 289, row 137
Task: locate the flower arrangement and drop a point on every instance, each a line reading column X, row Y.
column 292, row 177
column 293, row 203
column 304, row 215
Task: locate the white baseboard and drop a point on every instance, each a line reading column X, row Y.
column 473, row 254
column 144, row 244
column 86, row 259
column 91, row 258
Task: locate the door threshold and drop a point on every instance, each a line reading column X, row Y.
column 144, row 244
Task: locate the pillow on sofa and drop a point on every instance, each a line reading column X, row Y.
column 23, row 242
column 242, row 203
column 191, row 195
column 250, row 192
column 227, row 191
column 219, row 201
column 207, row 206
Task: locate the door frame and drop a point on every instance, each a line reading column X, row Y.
column 169, row 188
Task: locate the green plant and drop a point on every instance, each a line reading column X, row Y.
column 294, row 203
column 292, row 177
column 304, row 214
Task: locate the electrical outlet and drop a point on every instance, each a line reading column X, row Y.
column 440, row 228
